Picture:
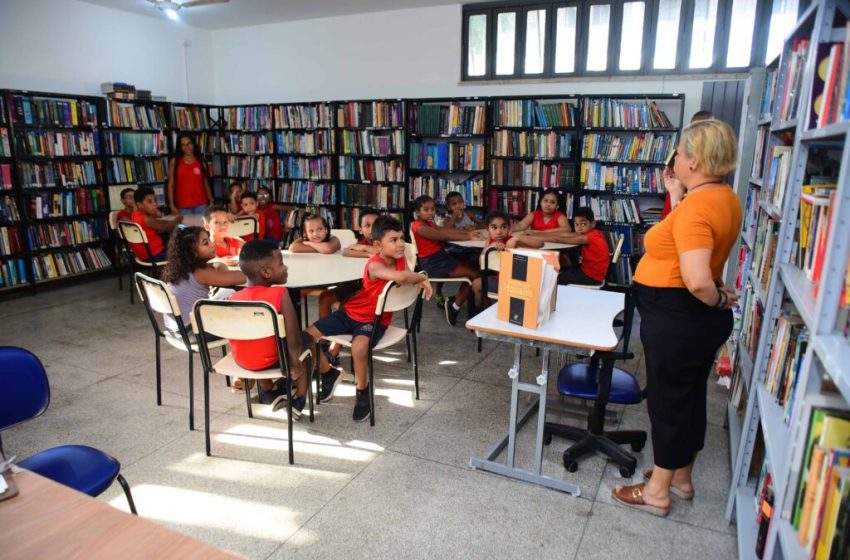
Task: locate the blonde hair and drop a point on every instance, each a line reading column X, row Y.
column 714, row 144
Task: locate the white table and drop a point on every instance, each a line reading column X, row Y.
column 313, row 270
column 479, row 244
column 583, row 319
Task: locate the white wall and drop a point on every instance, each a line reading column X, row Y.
column 70, row 46
column 403, row 53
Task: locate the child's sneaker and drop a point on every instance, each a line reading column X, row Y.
column 326, row 348
column 330, row 379
column 297, row 406
column 362, row 407
column 451, row 312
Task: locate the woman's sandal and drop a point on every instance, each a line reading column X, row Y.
column 647, row 474
column 632, row 497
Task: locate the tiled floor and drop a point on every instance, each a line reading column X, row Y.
column 401, row 489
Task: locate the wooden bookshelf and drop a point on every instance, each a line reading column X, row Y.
column 246, row 145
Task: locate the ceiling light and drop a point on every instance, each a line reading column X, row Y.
column 172, row 14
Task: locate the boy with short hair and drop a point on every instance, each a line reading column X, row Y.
column 250, row 207
column 129, row 203
column 459, row 217
column 217, row 223
column 148, row 216
column 595, row 255
column 363, row 247
column 262, row 264
column 357, row 315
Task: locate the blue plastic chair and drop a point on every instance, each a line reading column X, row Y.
column 25, row 394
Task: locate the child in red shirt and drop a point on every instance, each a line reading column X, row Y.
column 126, row 213
column 595, row 255
column 216, row 222
column 363, row 247
column 249, row 206
column 147, row 215
column 357, row 315
column 262, row 264
column 499, row 237
column 271, row 212
column 546, row 218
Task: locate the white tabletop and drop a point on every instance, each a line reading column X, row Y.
column 583, row 318
column 479, row 244
column 313, row 270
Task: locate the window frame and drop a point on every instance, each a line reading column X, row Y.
column 578, row 51
column 645, row 47
column 584, row 38
column 494, row 30
column 489, row 45
column 547, row 39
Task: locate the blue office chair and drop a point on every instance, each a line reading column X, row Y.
column 25, row 394
column 601, row 382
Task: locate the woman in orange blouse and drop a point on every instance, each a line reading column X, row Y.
column 685, row 311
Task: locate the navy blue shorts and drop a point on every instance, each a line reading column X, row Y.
column 440, row 264
column 340, row 323
column 574, row 275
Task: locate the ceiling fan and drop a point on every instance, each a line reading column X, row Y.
column 165, row 5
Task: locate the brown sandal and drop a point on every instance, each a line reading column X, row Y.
column 632, row 497
column 647, row 474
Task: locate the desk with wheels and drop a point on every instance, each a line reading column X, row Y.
column 583, row 319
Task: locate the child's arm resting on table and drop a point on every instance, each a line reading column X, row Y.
column 163, row 225
column 524, row 223
column 527, row 241
column 323, row 247
column 446, row 234
column 359, row 250
column 379, row 270
column 219, row 275
column 570, row 238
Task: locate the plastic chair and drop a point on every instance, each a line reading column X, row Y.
column 346, row 237
column 120, row 255
column 242, row 320
column 243, row 226
column 395, row 297
column 132, row 232
column 615, row 258
column 601, row 382
column 158, row 298
column 24, row 395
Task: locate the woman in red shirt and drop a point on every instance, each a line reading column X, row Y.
column 188, row 189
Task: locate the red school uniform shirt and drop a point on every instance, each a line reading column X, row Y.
column 594, row 256
column 189, row 190
column 540, row 223
column 426, row 247
column 231, row 250
column 124, row 216
column 361, row 306
column 259, row 354
column 154, row 240
column 274, row 227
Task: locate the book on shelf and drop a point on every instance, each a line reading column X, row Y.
column 612, row 178
column 247, row 118
column 794, row 79
column 303, row 116
column 448, row 120
column 10, row 240
column 9, row 209
column 190, row 118
column 520, row 203
column 788, row 346
column 306, row 192
column 813, row 228
column 5, row 146
column 614, row 113
column 437, row 187
column 67, row 234
column 316, row 142
column 767, row 237
column 528, row 113
column 138, row 117
column 245, row 144
column 12, row 273
column 764, row 499
column 59, row 174
column 752, row 316
column 377, row 196
column 44, row 111
column 374, row 114
column 824, row 97
column 130, row 170
column 842, row 319
column 745, row 256
column 769, row 94
column 68, row 203
column 612, row 210
column 356, row 169
column 449, row 156
column 55, row 265
column 641, row 147
column 135, row 143
column 294, row 167
column 751, row 215
column 372, row 143
column 758, row 157
column 50, row 143
column 6, row 183
column 244, row 167
column 532, row 174
column 529, row 144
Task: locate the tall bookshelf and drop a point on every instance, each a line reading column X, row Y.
column 625, row 142
column 447, row 150
column 305, row 166
column 372, row 148
column 135, row 141
column 798, row 234
column 533, row 149
column 57, row 150
column 13, row 261
column 246, row 145
column 202, row 124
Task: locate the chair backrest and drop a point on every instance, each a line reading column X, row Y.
column 132, row 232
column 396, row 297
column 242, row 226
column 237, row 320
column 113, row 220
column 293, row 218
column 410, row 255
column 413, row 241
column 157, row 295
column 491, row 260
column 24, row 389
column 346, row 237
column 618, row 249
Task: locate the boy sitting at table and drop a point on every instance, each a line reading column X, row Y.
column 459, row 217
column 217, row 223
column 249, row 207
column 595, row 255
column 499, row 237
column 357, row 315
column 262, row 264
column 129, row 204
column 148, row 216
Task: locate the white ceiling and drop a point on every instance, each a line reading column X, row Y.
column 242, row 13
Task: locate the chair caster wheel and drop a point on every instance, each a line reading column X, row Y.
column 569, row 463
column 637, row 446
column 627, row 472
column 547, row 438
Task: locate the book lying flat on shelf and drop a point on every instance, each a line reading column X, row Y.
column 528, row 284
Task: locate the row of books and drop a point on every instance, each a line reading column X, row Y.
column 437, row 188
column 829, row 87
column 255, row 167
column 449, row 156
column 758, row 157
column 816, row 205
column 68, row 234
column 752, row 315
column 793, row 79
column 788, row 346
column 12, row 273
column 135, row 143
column 821, row 509
column 769, row 94
column 304, row 168
column 248, row 118
column 306, row 192
column 528, row 113
column 6, row 177
column 55, row 265
column 764, row 499
column 69, row 203
column 128, row 170
column 5, row 147
column 842, row 319
column 767, row 237
column 370, row 143
column 303, row 116
column 59, row 174
column 614, row 113
column 190, row 118
column 377, row 196
column 44, row 143
column 640, row 147
column 138, row 117
column 10, row 241
column 532, row 174
column 597, row 176
column 540, row 145
column 249, row 144
column 370, row 114
column 317, row 142
column 44, row 111
column 449, row 120
column 9, row 209
column 514, row 203
column 612, row 210
column 780, row 169
column 353, row 169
